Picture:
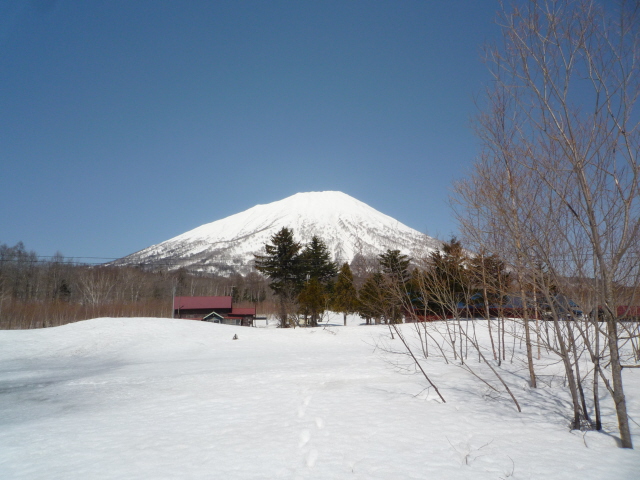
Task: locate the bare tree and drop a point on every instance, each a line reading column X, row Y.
column 559, row 172
column 96, row 285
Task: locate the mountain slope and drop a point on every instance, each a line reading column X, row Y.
column 348, row 227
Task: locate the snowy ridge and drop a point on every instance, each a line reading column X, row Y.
column 348, row 226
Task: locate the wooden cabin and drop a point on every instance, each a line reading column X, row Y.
column 213, row 309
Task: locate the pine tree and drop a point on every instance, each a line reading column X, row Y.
column 313, row 300
column 418, row 291
column 319, row 271
column 490, row 281
column 282, row 264
column 345, row 296
column 371, row 298
column 449, row 278
column 395, row 267
column 317, row 262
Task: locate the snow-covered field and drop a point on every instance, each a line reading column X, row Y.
column 158, row 398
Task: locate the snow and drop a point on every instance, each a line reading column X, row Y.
column 348, row 226
column 142, row 398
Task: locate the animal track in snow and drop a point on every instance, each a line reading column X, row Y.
column 305, row 436
column 303, row 408
column 312, row 457
column 310, row 453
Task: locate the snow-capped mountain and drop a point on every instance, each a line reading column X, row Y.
column 347, row 226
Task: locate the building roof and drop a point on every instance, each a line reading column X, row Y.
column 189, row 303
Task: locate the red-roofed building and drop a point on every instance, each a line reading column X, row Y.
column 631, row 313
column 213, row 309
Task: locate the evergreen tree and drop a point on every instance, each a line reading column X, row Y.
column 449, row 278
column 319, row 271
column 316, row 261
column 63, row 291
column 418, row 291
column 490, row 282
column 395, row 267
column 313, row 299
column 371, row 302
column 282, row 265
column 345, row 296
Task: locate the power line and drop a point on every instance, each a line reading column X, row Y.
column 110, row 262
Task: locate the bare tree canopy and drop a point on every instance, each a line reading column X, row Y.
column 557, row 184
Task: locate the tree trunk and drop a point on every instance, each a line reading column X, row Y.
column 566, row 361
column 616, row 377
column 283, row 313
column 596, row 362
column 527, row 334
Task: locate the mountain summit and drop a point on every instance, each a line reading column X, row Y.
column 348, row 227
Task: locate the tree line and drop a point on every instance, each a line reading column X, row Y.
column 307, row 282
column 37, row 292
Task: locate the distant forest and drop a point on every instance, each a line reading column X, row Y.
column 38, row 292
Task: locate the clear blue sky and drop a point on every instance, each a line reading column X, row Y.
column 125, row 123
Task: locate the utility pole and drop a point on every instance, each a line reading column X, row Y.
column 173, row 301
